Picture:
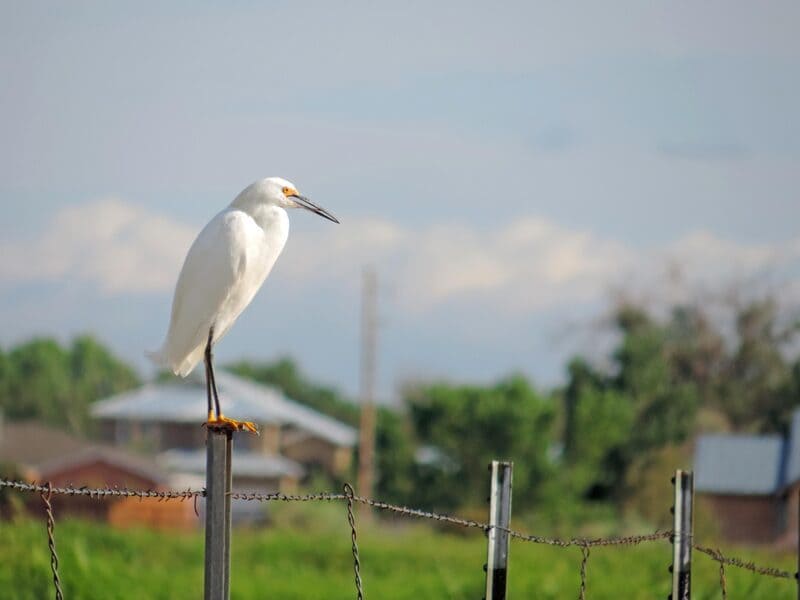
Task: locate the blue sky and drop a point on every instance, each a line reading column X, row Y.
column 504, row 167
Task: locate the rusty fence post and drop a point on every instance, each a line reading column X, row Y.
column 499, row 523
column 682, row 536
column 219, row 445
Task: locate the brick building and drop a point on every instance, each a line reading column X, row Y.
column 42, row 453
column 751, row 483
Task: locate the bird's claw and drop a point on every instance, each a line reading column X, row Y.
column 223, row 422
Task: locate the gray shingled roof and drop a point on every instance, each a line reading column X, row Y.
column 739, row 464
column 31, row 444
column 48, row 451
column 185, row 402
column 139, row 465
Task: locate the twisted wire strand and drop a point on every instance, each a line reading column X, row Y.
column 584, row 560
column 744, row 564
column 723, row 583
column 100, row 493
column 45, row 494
column 348, row 492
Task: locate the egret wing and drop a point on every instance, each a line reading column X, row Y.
column 213, row 269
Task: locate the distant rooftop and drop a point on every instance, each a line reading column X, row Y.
column 46, row 450
column 32, row 444
column 748, row 464
column 185, row 402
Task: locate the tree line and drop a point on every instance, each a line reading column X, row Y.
column 592, row 441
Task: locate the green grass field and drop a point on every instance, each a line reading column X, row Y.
column 308, row 556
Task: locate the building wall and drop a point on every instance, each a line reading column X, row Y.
column 99, row 473
column 747, row 519
column 266, row 485
column 93, row 473
column 317, row 452
column 268, row 440
column 152, row 436
column 787, row 526
column 153, row 513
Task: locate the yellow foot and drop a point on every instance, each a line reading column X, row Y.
column 223, row 422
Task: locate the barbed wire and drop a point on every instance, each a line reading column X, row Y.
column 106, row 492
column 584, row 560
column 585, row 544
column 51, row 540
column 745, row 564
column 723, row 584
column 348, row 490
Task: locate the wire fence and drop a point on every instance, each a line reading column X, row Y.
column 47, row 491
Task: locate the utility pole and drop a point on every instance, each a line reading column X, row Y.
column 369, row 327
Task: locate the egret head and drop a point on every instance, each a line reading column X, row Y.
column 284, row 194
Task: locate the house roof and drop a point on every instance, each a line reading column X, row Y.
column 184, row 402
column 138, row 465
column 48, row 451
column 243, row 464
column 739, row 464
column 31, row 444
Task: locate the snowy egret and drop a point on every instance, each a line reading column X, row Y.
column 223, row 270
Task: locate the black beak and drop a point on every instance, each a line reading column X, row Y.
column 309, row 205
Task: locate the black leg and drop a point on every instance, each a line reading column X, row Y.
column 208, row 380
column 211, row 378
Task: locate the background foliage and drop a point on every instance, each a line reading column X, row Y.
column 604, row 441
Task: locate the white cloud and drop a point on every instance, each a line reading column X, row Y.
column 529, row 265
column 116, row 246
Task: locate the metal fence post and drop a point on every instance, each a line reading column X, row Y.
column 683, row 535
column 219, row 444
column 499, row 517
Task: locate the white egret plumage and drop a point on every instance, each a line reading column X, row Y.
column 225, row 267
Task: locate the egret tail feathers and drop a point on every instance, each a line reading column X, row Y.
column 180, row 367
column 187, row 365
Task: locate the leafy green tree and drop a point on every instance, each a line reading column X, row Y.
column 39, row 382
column 472, row 425
column 43, row 380
column 665, row 372
column 599, row 454
column 96, row 373
column 394, row 454
column 755, row 387
column 664, row 402
column 582, row 379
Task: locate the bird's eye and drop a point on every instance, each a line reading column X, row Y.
column 286, row 191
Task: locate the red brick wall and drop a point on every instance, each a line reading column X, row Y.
column 747, row 519
column 96, row 473
column 153, row 513
column 788, row 526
